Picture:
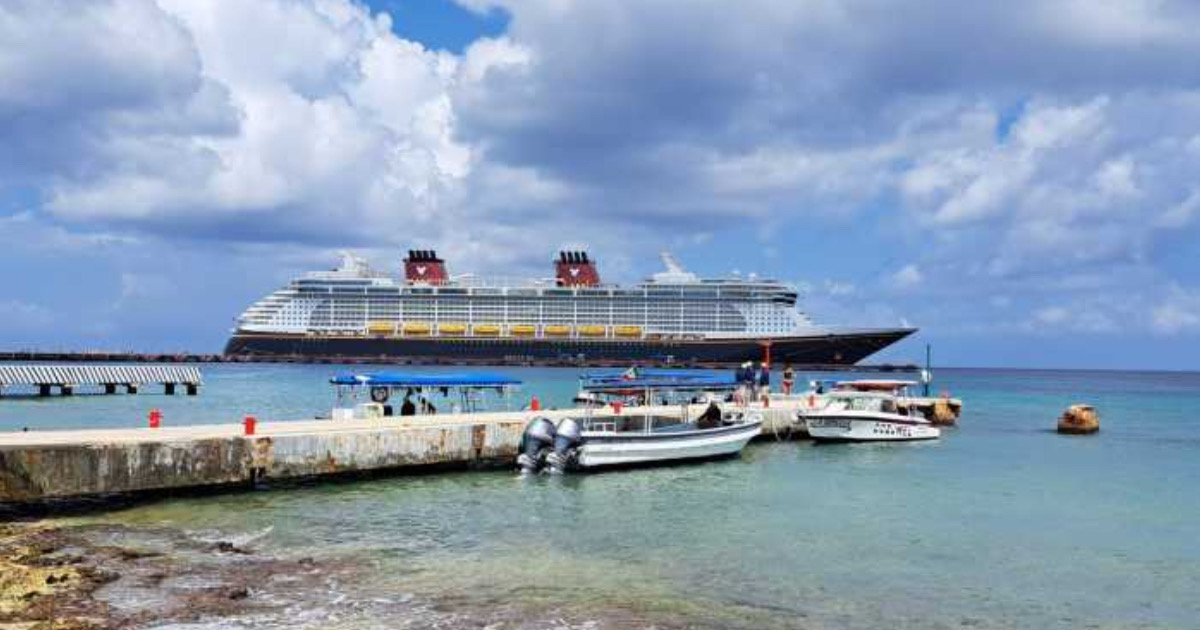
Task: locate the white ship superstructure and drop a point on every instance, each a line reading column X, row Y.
column 353, row 311
column 355, row 300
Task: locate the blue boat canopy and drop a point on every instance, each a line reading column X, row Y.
column 690, row 382
column 415, row 380
column 639, row 372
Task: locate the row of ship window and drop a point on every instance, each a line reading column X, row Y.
column 584, row 294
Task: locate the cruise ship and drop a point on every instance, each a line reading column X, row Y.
column 429, row 316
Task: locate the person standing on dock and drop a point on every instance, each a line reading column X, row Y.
column 789, row 379
column 764, row 380
column 745, row 382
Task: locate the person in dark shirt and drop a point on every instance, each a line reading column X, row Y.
column 789, row 379
column 764, row 380
column 407, row 408
column 711, row 417
column 745, row 381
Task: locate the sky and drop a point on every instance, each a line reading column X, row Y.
column 1020, row 180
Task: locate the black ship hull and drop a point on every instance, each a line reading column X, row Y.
column 832, row 349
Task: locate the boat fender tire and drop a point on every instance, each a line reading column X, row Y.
column 379, row 394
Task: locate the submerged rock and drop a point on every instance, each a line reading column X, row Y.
column 1079, row 420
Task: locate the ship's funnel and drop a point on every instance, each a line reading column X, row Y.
column 424, row 267
column 575, row 269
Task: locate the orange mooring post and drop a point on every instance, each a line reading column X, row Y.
column 535, row 404
column 155, row 418
column 767, row 354
column 250, row 423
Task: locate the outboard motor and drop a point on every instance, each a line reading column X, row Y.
column 568, row 438
column 536, row 442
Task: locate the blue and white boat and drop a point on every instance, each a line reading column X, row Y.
column 674, row 417
column 383, row 394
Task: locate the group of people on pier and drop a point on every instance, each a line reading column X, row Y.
column 754, row 383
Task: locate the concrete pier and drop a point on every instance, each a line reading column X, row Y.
column 41, row 465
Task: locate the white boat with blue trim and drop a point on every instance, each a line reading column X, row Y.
column 664, row 431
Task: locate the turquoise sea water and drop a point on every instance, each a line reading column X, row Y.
column 1000, row 524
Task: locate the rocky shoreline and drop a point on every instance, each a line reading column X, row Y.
column 102, row 577
column 107, row 576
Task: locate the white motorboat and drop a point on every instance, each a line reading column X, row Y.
column 657, row 434
column 867, row 416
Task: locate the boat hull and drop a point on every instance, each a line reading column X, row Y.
column 816, row 350
column 840, row 428
column 610, row 450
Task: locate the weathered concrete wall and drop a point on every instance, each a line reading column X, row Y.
column 288, row 456
column 31, row 473
column 40, row 472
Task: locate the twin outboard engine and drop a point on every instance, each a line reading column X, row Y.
column 544, row 445
column 568, row 438
column 536, row 443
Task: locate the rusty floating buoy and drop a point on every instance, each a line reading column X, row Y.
column 1079, row 420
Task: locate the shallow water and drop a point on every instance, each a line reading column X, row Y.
column 1001, row 524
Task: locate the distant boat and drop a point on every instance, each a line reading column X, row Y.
column 655, row 434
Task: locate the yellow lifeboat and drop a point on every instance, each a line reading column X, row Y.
column 593, row 331
column 452, row 329
column 557, row 330
column 381, row 328
column 522, row 330
column 489, row 330
column 628, row 331
column 416, row 328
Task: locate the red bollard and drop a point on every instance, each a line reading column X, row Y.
column 617, row 405
column 155, row 418
column 250, row 423
column 535, row 404
column 812, row 401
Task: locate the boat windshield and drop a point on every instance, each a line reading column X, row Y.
column 863, row 403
